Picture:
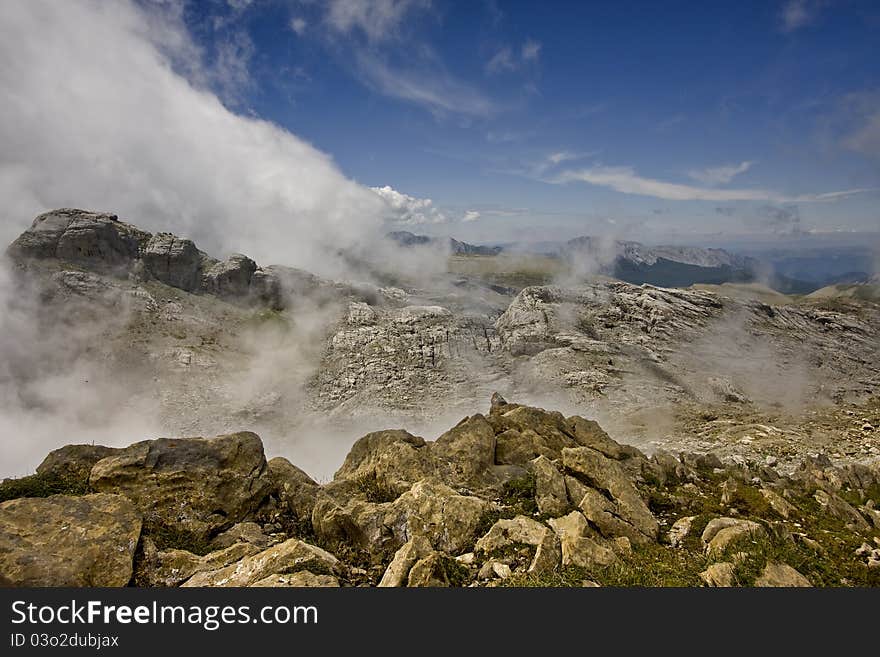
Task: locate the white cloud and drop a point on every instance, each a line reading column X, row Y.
column 115, row 128
column 531, row 50
column 627, row 181
column 378, row 20
column 434, row 90
column 506, row 60
column 719, row 175
column 298, row 24
column 405, row 209
column 800, row 13
column 471, row 215
column 501, row 61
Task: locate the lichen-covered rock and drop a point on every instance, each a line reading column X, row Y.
column 781, row 575
column 433, row 510
column 466, row 453
column 550, row 492
column 194, row 485
column 395, row 458
column 429, row 509
column 68, row 541
column 618, row 507
column 74, row 461
column 173, row 567
column 291, row 556
column 523, row 530
column 296, row 490
column 680, row 530
column 429, row 571
column 721, row 532
column 242, row 532
column 301, row 579
column 398, row 570
column 719, row 574
column 580, row 545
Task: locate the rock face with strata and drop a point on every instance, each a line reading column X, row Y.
column 194, row 485
column 68, row 541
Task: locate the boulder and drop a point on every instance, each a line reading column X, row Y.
column 721, row 532
column 74, row 461
column 524, row 531
column 174, row 261
column 395, row 457
column 719, row 575
column 465, row 454
column 618, row 506
column 580, row 546
column 398, row 570
column 295, row 490
column 680, row 530
column 550, row 492
column 243, row 532
column 839, row 508
column 291, row 556
column 778, row 503
column 781, row 575
column 429, row 571
column 301, row 579
column 433, row 510
column 430, row 509
column 194, row 485
column 229, row 279
column 173, row 567
column 68, row 541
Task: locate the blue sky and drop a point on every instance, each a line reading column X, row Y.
column 550, row 118
column 283, row 128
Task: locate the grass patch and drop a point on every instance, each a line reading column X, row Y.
column 169, row 537
column 375, row 488
column 43, row 485
column 650, row 565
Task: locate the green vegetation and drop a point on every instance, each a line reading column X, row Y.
column 509, row 270
column 169, row 537
column 517, row 499
column 43, row 485
column 375, row 488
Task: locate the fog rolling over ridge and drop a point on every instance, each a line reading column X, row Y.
column 116, row 128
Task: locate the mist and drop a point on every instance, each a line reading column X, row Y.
column 94, row 115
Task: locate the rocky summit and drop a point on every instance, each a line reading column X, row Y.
column 705, row 436
column 519, row 496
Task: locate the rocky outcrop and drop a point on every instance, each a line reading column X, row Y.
column 286, row 558
column 99, row 242
column 404, row 511
column 193, row 485
column 68, row 541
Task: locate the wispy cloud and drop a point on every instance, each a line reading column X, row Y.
column 471, row 215
column 627, row 181
column 719, row 175
column 531, row 50
column 378, row 20
column 506, row 59
column 796, row 14
column 435, row 90
column 298, row 24
column 502, row 61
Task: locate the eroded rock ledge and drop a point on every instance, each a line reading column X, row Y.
column 518, row 496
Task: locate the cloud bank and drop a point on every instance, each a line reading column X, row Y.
column 95, row 114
